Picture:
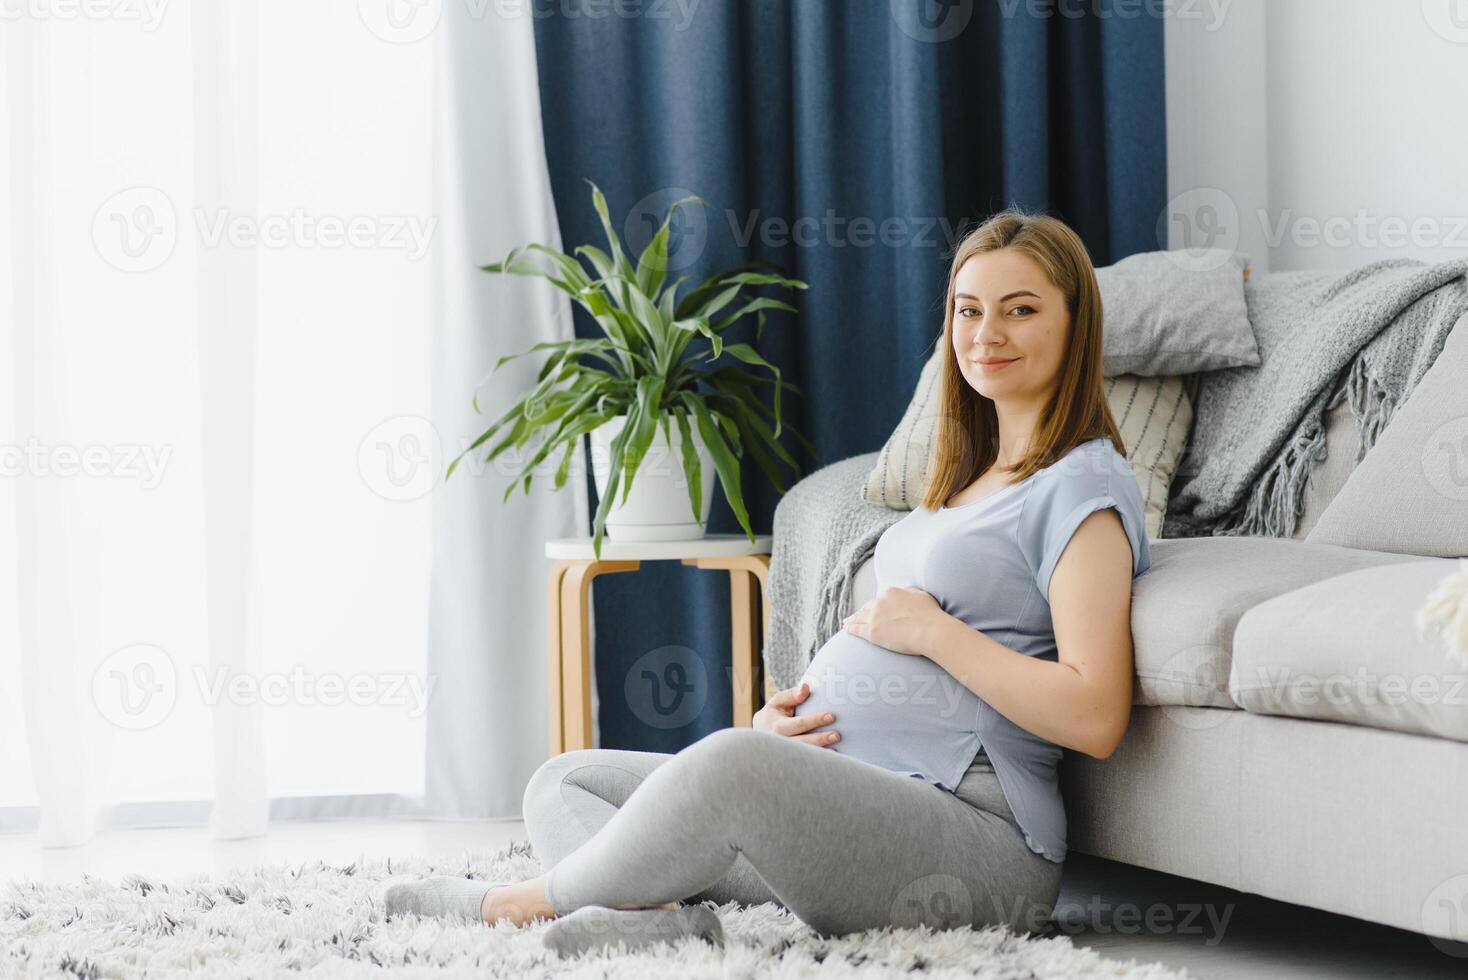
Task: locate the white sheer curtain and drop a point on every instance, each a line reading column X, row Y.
column 487, row 729
column 240, row 333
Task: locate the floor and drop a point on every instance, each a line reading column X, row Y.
column 1212, row 932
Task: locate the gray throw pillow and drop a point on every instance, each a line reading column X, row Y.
column 1409, row 495
column 1176, row 312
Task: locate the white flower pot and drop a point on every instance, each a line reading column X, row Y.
column 657, row 508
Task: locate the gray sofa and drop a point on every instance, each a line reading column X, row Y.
column 1292, row 736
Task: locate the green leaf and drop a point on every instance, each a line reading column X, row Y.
column 564, row 469
column 712, row 285
column 700, row 325
column 578, row 346
column 568, row 415
column 754, row 440
column 669, row 296
column 754, row 305
column 749, row 355
column 652, row 264
column 513, row 412
column 599, row 202
column 517, row 263
column 571, row 270
column 692, row 465
column 744, row 404
column 763, row 279
column 717, row 302
column 645, row 313
column 603, row 505
column 600, row 260
column 649, row 394
column 724, row 460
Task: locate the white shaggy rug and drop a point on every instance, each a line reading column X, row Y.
column 318, row 920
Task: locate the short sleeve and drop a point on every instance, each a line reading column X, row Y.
column 1091, row 477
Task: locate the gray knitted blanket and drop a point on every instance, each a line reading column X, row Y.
column 823, row 531
column 1368, row 335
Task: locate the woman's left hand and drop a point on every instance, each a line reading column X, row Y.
column 898, row 618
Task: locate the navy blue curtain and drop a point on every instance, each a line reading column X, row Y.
column 850, row 142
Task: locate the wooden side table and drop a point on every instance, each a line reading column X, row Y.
column 572, row 571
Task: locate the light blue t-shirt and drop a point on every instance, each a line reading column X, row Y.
column 988, row 563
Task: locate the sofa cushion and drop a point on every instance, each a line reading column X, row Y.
column 863, row 586
column 1410, row 492
column 1346, row 649
column 1327, row 476
column 1186, row 606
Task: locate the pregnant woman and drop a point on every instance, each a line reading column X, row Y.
column 910, row 777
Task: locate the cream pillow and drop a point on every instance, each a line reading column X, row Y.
column 1154, row 415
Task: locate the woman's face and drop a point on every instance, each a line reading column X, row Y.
column 1004, row 307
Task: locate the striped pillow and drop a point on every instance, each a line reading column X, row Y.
column 1154, row 415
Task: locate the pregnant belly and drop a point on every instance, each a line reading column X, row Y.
column 899, row 712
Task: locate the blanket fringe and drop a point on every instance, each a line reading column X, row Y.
column 1276, row 501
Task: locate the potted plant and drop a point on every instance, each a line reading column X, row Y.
column 649, row 371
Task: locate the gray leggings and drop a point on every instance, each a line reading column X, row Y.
column 749, row 816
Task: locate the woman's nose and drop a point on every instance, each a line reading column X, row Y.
column 987, row 335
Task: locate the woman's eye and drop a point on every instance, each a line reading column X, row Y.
column 968, row 311
column 1023, row 310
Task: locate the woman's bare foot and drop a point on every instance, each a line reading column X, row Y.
column 520, row 903
column 525, row 902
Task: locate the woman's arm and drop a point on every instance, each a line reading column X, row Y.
column 1084, row 700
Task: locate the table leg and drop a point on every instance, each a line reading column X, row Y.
column 747, row 639
column 576, row 646
column 556, row 712
column 744, row 646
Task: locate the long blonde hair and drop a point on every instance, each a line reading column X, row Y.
column 966, row 442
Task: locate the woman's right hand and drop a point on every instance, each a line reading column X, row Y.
column 778, row 717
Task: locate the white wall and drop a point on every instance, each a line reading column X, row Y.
column 1320, row 133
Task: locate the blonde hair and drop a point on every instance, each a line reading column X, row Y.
column 966, row 442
